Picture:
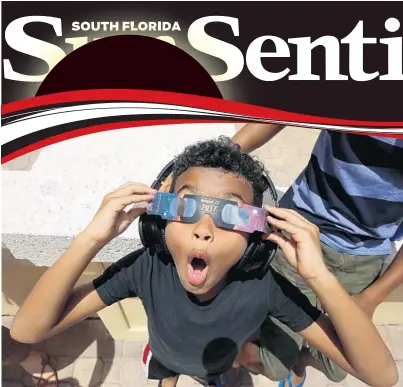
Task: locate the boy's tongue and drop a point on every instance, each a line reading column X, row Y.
column 197, row 272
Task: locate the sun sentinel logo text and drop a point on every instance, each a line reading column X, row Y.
column 230, row 54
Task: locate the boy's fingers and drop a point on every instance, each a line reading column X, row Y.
column 123, row 185
column 287, row 215
column 135, row 212
column 300, row 216
column 284, row 225
column 278, row 239
column 119, row 203
column 130, row 189
column 303, row 222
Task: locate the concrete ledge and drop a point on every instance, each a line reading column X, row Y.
column 44, row 250
column 50, row 196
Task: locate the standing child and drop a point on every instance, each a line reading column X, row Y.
column 352, row 189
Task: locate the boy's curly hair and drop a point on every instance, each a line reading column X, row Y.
column 224, row 155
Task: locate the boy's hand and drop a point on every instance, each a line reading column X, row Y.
column 111, row 218
column 302, row 248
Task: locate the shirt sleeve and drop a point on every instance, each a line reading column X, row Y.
column 121, row 279
column 290, row 306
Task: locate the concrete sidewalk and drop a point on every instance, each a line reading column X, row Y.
column 87, row 356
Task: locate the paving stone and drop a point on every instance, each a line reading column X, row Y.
column 131, row 374
column 110, row 349
column 111, row 371
column 132, row 349
column 186, row 381
column 89, row 338
column 280, row 154
column 12, row 373
column 7, row 383
column 65, row 368
column 28, row 380
column 91, row 350
column 33, row 366
column 71, row 343
column 316, row 378
column 69, row 382
column 262, row 381
column 400, row 370
column 382, row 329
column 88, row 372
column 351, row 381
column 395, row 335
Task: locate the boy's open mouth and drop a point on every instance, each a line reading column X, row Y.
column 197, row 267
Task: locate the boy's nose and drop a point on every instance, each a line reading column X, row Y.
column 203, row 229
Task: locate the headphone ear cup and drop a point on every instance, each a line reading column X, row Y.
column 152, row 227
column 269, row 250
column 258, row 255
column 246, row 262
column 162, row 243
column 260, row 252
column 243, row 262
column 255, row 256
column 263, row 255
column 145, row 230
column 150, row 230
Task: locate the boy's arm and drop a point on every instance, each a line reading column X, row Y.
column 253, row 136
column 53, row 305
column 375, row 294
column 348, row 335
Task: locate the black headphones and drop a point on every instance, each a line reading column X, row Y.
column 257, row 257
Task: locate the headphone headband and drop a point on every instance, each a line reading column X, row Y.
column 272, row 188
column 167, row 170
column 257, row 256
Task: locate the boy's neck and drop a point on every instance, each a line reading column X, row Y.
column 212, row 293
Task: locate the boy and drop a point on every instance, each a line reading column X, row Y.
column 198, row 314
column 352, row 189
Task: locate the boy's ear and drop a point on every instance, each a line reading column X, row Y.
column 166, row 185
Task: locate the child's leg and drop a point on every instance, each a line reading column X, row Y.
column 274, row 360
column 169, row 382
column 354, row 273
column 275, row 354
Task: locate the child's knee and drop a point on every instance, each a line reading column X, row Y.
column 335, row 374
column 275, row 373
column 329, row 368
column 261, row 361
column 248, row 356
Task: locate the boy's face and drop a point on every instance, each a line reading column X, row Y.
column 203, row 253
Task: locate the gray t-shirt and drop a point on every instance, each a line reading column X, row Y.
column 192, row 338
